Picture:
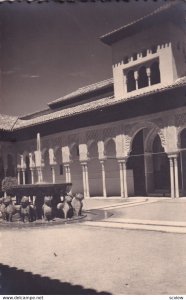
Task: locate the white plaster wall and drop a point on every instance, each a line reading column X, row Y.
column 157, row 35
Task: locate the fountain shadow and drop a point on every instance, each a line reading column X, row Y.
column 17, row 281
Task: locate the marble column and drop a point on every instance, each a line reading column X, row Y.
column 148, row 70
column 103, row 178
column 123, row 178
column 85, row 179
column 18, row 176
column 67, row 173
column 24, row 178
column 32, row 175
column 176, row 176
column 136, row 76
column 40, row 174
column 171, row 163
column 53, row 174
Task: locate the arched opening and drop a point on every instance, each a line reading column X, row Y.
column 136, row 164
column 112, row 170
column 131, row 83
column 76, row 170
column 27, row 170
column 59, row 168
column 47, row 172
column 155, row 73
column 143, row 78
column 10, row 166
column 161, row 167
column 94, row 171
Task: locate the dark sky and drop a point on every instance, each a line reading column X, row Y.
column 51, row 49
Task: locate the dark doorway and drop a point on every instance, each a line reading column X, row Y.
column 136, row 163
column 160, row 166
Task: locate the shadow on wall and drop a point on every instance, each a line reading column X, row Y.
column 14, row 281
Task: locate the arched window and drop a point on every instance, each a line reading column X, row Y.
column 155, row 73
column 131, row 84
column 142, row 79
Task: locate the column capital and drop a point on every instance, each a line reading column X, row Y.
column 53, row 165
column 66, row 164
column 102, row 161
column 122, row 159
column 83, row 162
column 173, row 155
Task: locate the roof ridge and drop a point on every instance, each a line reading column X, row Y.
column 160, row 9
column 93, row 84
column 84, row 90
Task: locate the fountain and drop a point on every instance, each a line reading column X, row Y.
column 40, row 188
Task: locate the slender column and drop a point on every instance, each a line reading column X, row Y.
column 103, row 178
column 87, row 180
column 171, row 176
column 84, row 180
column 69, row 174
column 32, row 175
column 125, row 179
column 66, row 166
column 40, row 174
column 18, row 176
column 53, row 174
column 148, row 70
column 176, row 177
column 125, row 83
column 136, row 75
column 24, row 179
column 121, row 179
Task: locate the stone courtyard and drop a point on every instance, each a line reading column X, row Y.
column 80, row 259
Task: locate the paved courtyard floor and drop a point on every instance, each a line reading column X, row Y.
column 162, row 210
column 79, row 259
column 75, row 259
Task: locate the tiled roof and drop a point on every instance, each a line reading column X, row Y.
column 7, row 122
column 94, row 105
column 113, row 35
column 84, row 91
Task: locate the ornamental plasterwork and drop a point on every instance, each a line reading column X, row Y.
column 73, row 139
column 28, row 146
column 92, row 135
column 56, row 142
column 108, row 133
column 180, row 122
column 132, row 129
column 159, row 122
